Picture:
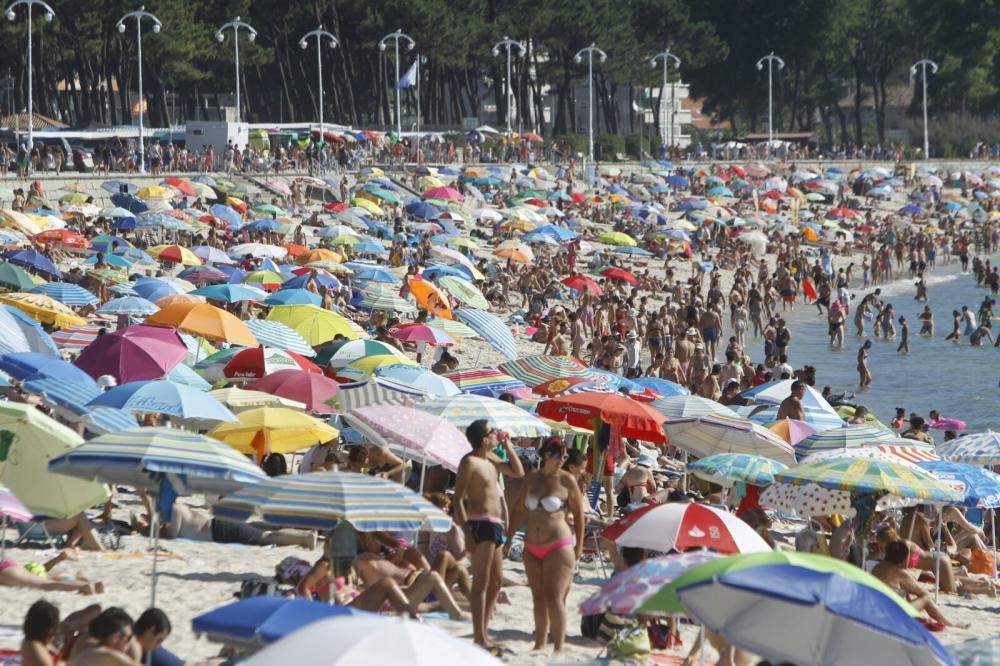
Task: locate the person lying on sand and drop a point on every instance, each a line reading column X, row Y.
column 189, row 523
column 36, row 576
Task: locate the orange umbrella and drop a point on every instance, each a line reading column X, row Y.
column 430, row 298
column 294, row 249
column 320, row 254
column 205, row 321
column 179, row 298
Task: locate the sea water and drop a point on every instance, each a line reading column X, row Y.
column 959, row 381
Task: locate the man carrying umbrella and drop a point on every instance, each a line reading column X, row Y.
column 479, row 510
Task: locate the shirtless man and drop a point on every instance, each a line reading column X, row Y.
column 791, row 407
column 479, row 511
column 111, row 641
column 711, row 329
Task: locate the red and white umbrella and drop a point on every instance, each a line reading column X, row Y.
column 681, row 527
column 258, row 362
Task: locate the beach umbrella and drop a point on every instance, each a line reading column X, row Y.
column 838, row 621
column 716, row 433
column 135, row 353
column 77, row 337
column 868, row 476
column 845, row 437
column 311, row 388
column 11, row 508
column 258, row 251
column 488, row 382
column 981, row 448
column 977, row 652
column 417, row 333
column 664, row 387
column 515, row 251
column 15, row 277
column 375, row 298
column 267, row 279
column 259, row 362
column 616, row 238
column 689, row 406
column 128, row 305
column 429, row 297
column 154, row 289
column 28, row 440
column 259, row 621
column 293, row 297
column 542, row 368
column 815, row 420
column 360, row 641
column 632, row 417
column 313, row 323
column 276, row 334
column 266, row 430
column 980, row 486
column 230, row 293
column 163, row 397
column 43, row 309
column 415, row 433
column 238, row 399
column 583, row 283
column 420, row 378
column 369, row 364
column 211, row 255
column 682, row 527
column 774, row 392
column 727, row 469
column 175, row 254
column 464, row 292
column 375, row 391
column 31, row 365
column 620, row 274
column 453, row 327
column 205, row 321
column 376, row 274
column 461, row 410
column 33, row 260
column 810, row 499
column 630, row 589
column 344, row 353
column 13, row 337
column 70, row 294
column 792, row 431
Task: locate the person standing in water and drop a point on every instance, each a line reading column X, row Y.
column 863, row 370
column 927, row 322
column 956, row 327
column 904, row 336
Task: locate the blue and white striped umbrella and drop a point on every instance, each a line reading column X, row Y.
column 847, row 437
column 129, row 305
column 689, row 406
column 276, row 334
column 12, row 336
column 773, row 392
column 463, row 409
column 38, row 339
column 66, row 292
column 491, row 329
column 72, row 397
column 375, row 391
column 820, row 419
column 102, row 420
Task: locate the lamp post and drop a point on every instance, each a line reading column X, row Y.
column 666, row 56
column 236, row 25
column 139, row 15
column 590, row 51
column 11, row 15
column 509, row 44
column 770, row 59
column 383, row 43
column 320, row 34
column 923, row 64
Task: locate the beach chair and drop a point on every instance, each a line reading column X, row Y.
column 34, row 533
column 591, row 544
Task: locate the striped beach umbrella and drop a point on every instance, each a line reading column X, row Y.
column 314, row 324
column 977, row 652
column 867, row 476
column 542, row 368
column 128, row 305
column 11, row 507
column 382, row 299
column 489, row 382
column 375, row 391
column 717, row 433
column 464, row 292
column 453, row 327
column 320, row 500
column 490, row 329
column 65, row 292
column 819, row 419
column 847, row 437
column 417, row 434
column 276, row 334
column 77, row 337
column 43, row 309
column 726, row 469
column 981, row 448
column 70, row 399
column 463, row 409
column 690, row 406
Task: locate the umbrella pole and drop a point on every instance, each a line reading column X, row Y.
column 3, row 538
column 156, row 556
column 937, row 558
column 701, row 646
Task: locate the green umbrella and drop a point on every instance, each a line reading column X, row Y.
column 15, row 278
column 269, row 209
column 666, row 600
column 464, row 291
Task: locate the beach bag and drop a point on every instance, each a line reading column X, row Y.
column 983, row 562
column 257, row 587
column 291, row 570
column 631, row 646
column 590, row 625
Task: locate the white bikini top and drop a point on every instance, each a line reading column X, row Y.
column 550, row 504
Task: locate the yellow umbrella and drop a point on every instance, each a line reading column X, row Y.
column 368, row 364
column 617, row 238
column 21, row 222
column 463, row 241
column 313, row 323
column 43, row 309
column 519, row 225
column 205, row 321
column 429, row 183
column 370, row 206
column 274, row 430
column 237, row 398
column 155, row 192
column 314, row 256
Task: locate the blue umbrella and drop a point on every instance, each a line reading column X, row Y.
column 112, row 260
column 981, row 486
column 228, row 215
column 133, row 254
column 293, row 297
column 440, row 270
column 153, row 289
column 664, row 387
column 266, row 224
column 422, row 210
column 300, row 282
column 182, row 374
column 720, row 191
column 105, row 243
column 678, row 181
column 129, row 203
column 124, row 223
column 12, row 337
column 38, row 339
column 66, row 292
column 118, row 186
column 421, row 378
column 34, row 260
column 230, row 293
column 123, row 289
column 377, row 274
column 163, row 397
column 276, row 334
column 911, row 209
column 557, row 232
column 633, row 251
column 263, row 620
column 369, row 247
column 491, row 329
column 32, row 365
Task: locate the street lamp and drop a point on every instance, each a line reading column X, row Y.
column 383, row 43
column 590, row 51
column 138, row 15
column 770, row 59
column 666, row 57
column 320, row 34
column 508, row 44
column 49, row 15
column 236, row 25
column 923, row 75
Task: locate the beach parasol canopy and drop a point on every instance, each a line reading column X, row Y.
column 846, row 437
column 977, row 652
column 583, row 283
column 33, row 365
column 15, row 277
column 869, row 476
column 543, row 368
column 418, row 333
column 635, row 419
column 205, row 321
column 67, row 293
column 419, row 378
column 689, row 406
column 464, row 292
column 259, row 362
column 341, row 354
column 416, row 434
column 314, row 324
column 461, row 410
column 134, row 353
column 135, row 306
column 375, row 391
column 488, row 382
column 238, row 399
column 491, row 329
column 980, row 486
column 682, row 527
column 267, row 430
column 981, row 448
column 276, row 334
column 728, row 469
column 311, row 388
column 716, row 433
column 163, row 397
column 429, row 297
column 43, row 309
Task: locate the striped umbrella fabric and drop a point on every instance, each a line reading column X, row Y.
column 490, row 329
column 102, row 420
column 980, row 486
column 717, row 433
column 819, row 419
column 128, row 305
column 276, row 334
column 70, row 294
column 913, row 454
column 489, row 382
column 690, row 406
column 72, row 397
column 76, row 337
column 774, row 392
column 419, row 435
column 981, row 448
column 464, row 292
column 847, row 437
column 139, row 456
column 463, row 409
column 382, row 300
column 320, row 500
column 453, row 327
column 726, row 469
column 11, row 507
column 541, row 368
column 977, row 652
column 375, row 391
column 867, row 476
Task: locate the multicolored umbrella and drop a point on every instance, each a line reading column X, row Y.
column 981, row 448
column 539, row 369
column 320, row 500
column 77, row 337
column 488, row 382
column 175, row 254
column 727, row 469
column 375, row 391
column 633, row 418
column 11, row 507
column 461, row 410
column 715, row 433
column 238, row 399
column 817, row 419
column 373, row 298
column 369, row 364
column 981, row 487
column 490, row 329
column 846, row 437
column 134, row 353
column 311, row 388
column 792, row 431
column 276, row 334
column 867, row 476
column 417, row 333
column 419, row 378
column 259, row 362
column 682, row 527
column 420, row 435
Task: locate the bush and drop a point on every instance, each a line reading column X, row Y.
column 608, row 146
column 576, row 143
column 635, row 142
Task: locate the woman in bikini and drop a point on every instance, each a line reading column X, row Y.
column 892, row 571
column 550, row 548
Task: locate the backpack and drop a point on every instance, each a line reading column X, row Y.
column 257, row 587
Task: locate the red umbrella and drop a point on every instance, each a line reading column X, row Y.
column 133, row 354
column 681, row 527
column 182, row 186
column 259, row 362
column 635, row 419
column 583, row 283
column 619, row 274
column 301, row 386
column 336, row 207
column 578, row 198
column 842, row 212
column 738, row 170
column 62, row 238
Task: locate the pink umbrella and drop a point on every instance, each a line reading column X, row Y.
column 133, row 354
column 447, row 193
column 792, row 431
column 418, row 433
column 301, row 386
column 666, row 527
column 10, row 507
column 422, row 333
